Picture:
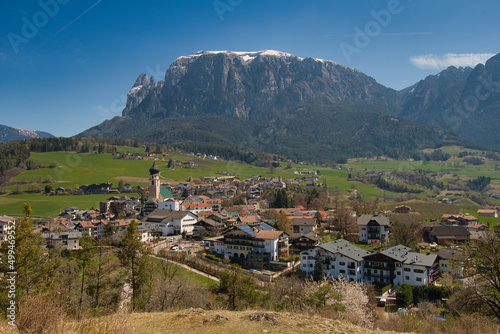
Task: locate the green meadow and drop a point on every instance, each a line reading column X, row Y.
column 75, row 169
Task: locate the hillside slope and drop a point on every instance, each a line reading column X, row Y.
column 217, row 322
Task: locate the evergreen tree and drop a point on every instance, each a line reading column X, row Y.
column 239, row 289
column 133, row 256
column 318, row 273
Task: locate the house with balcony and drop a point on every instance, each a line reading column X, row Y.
column 339, row 257
column 250, row 246
column 397, row 265
column 304, row 225
column 392, row 266
column 67, row 240
column 373, row 228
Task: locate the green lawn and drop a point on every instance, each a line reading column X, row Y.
column 76, row 169
column 49, row 206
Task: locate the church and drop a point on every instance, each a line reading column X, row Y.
column 158, row 197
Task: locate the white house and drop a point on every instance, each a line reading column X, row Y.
column 168, row 222
column 250, row 245
column 373, row 228
column 452, row 261
column 69, row 240
column 197, row 208
column 397, row 265
column 169, row 204
column 339, row 257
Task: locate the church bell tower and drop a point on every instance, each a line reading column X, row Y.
column 154, row 182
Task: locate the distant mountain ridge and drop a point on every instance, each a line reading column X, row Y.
column 303, row 108
column 8, row 134
column 464, row 100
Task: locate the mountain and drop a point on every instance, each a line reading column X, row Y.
column 8, row 134
column 302, row 108
column 463, row 100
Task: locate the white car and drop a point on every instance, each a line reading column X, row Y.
column 433, row 244
column 174, row 248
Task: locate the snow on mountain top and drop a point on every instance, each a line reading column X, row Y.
column 251, row 55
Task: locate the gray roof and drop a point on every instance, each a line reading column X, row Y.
column 402, row 254
column 448, row 231
column 345, row 248
column 451, row 254
column 303, row 221
column 160, row 215
column 375, row 219
column 397, row 253
column 420, row 259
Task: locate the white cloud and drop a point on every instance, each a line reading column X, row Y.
column 435, row 62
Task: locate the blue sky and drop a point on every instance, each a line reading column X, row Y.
column 66, row 65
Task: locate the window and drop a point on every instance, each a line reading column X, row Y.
column 375, row 271
column 304, row 257
column 407, row 269
column 398, row 273
column 342, row 271
column 419, row 279
column 342, row 263
column 407, row 278
column 420, row 271
column 310, row 265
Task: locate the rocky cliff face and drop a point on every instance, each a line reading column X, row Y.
column 464, row 100
column 248, row 85
column 8, row 134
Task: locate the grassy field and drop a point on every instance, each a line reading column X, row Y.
column 76, row 169
column 48, row 206
column 430, row 210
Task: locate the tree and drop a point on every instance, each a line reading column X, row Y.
column 282, row 200
column 483, row 292
column 403, row 234
column 404, row 295
column 239, row 289
column 120, row 185
column 133, row 255
column 48, row 188
column 283, row 223
column 318, row 273
column 34, row 265
column 108, row 230
column 83, row 257
column 346, row 225
column 170, row 163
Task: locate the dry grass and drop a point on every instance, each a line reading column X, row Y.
column 222, row 321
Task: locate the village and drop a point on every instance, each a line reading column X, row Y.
column 194, row 218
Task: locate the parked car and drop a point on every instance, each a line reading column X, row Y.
column 174, row 248
column 171, row 240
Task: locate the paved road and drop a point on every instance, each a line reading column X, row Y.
column 162, row 245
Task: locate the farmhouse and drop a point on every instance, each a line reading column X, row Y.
column 446, row 234
column 487, row 213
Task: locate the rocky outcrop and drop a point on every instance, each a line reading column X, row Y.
column 248, row 85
